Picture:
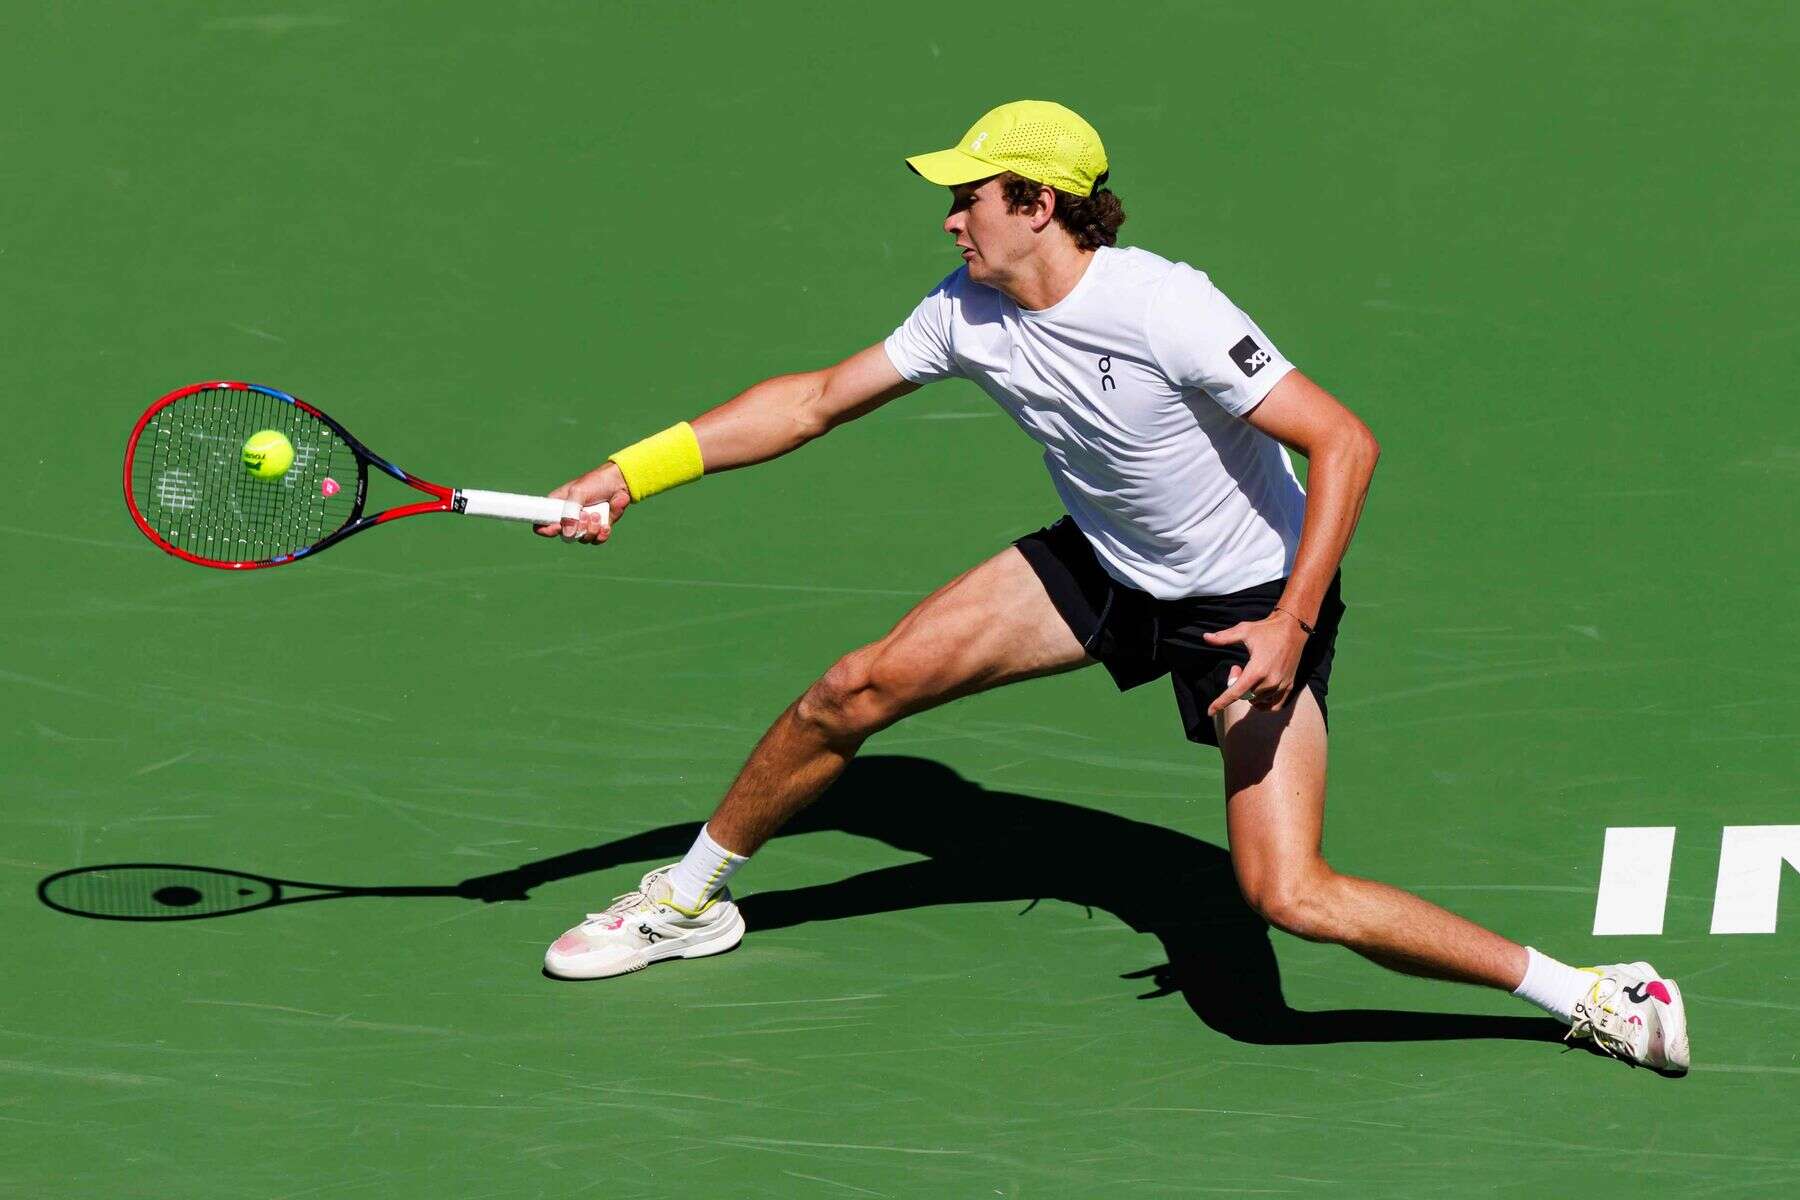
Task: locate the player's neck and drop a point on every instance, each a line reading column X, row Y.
column 1046, row 279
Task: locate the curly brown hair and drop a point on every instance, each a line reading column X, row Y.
column 1092, row 220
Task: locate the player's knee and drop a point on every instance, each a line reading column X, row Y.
column 850, row 701
column 1296, row 900
column 828, row 703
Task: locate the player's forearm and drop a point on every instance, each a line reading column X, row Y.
column 765, row 421
column 1337, row 482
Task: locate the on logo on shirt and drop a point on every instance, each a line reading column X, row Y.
column 1250, row 357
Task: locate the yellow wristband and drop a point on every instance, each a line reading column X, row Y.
column 660, row 462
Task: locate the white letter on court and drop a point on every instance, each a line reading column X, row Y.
column 1749, row 892
column 1634, row 880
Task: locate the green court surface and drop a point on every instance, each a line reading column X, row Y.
column 1546, row 250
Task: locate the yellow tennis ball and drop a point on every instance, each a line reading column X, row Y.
column 268, row 454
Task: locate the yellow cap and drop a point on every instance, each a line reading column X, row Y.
column 1038, row 139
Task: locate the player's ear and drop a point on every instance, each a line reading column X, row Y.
column 1043, row 209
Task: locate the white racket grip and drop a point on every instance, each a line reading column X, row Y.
column 538, row 510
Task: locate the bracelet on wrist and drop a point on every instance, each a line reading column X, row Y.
column 1304, row 623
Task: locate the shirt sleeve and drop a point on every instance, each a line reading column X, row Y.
column 1202, row 340
column 920, row 348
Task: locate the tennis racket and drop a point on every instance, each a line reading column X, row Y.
column 190, row 493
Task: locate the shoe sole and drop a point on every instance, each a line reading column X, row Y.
column 723, row 936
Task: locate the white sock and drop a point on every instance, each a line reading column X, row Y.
column 1553, row 986
column 702, row 874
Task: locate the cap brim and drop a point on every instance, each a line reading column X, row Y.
column 947, row 168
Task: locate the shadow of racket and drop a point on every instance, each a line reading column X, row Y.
column 179, row 892
column 174, row 892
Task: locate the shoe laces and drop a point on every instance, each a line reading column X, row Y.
column 1603, row 1026
column 634, row 901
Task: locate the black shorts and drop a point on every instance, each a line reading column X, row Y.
column 1139, row 638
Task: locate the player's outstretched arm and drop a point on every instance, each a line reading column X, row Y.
column 765, row 421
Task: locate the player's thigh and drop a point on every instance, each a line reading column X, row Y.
column 1274, row 790
column 991, row 625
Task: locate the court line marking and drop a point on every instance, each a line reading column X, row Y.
column 89, row 1076
column 770, row 1143
column 768, row 587
column 1497, row 887
column 1731, row 1000
column 1244, row 1112
column 167, row 762
column 341, row 569
column 57, row 735
column 67, row 537
column 48, row 685
column 1475, row 680
column 767, row 1003
column 341, row 1020
column 253, row 331
column 949, row 416
column 834, row 1183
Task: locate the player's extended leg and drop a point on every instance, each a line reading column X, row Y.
column 1275, row 814
column 992, row 625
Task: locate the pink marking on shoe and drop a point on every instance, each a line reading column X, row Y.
column 1640, row 993
column 570, row 943
column 1634, row 1019
column 610, row 922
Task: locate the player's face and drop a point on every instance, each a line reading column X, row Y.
column 992, row 240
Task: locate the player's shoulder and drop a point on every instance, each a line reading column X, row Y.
column 960, row 296
column 1136, row 264
column 956, row 283
column 1159, row 283
column 1157, row 273
column 1180, row 305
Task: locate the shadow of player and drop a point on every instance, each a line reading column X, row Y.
column 982, row 846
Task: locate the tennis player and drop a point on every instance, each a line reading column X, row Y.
column 1189, row 549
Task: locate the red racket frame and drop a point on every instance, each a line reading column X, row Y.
column 443, row 499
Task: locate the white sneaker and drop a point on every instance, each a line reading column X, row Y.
column 1633, row 1013
column 643, row 927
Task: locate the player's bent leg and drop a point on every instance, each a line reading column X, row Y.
column 990, row 626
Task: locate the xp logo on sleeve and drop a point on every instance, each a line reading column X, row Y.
column 1249, row 356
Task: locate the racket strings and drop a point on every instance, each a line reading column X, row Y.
column 194, row 490
column 156, row 893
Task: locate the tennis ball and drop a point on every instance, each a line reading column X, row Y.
column 268, row 454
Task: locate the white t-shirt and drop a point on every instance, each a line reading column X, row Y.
column 1135, row 384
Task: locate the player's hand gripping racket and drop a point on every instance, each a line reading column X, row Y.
column 206, row 482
